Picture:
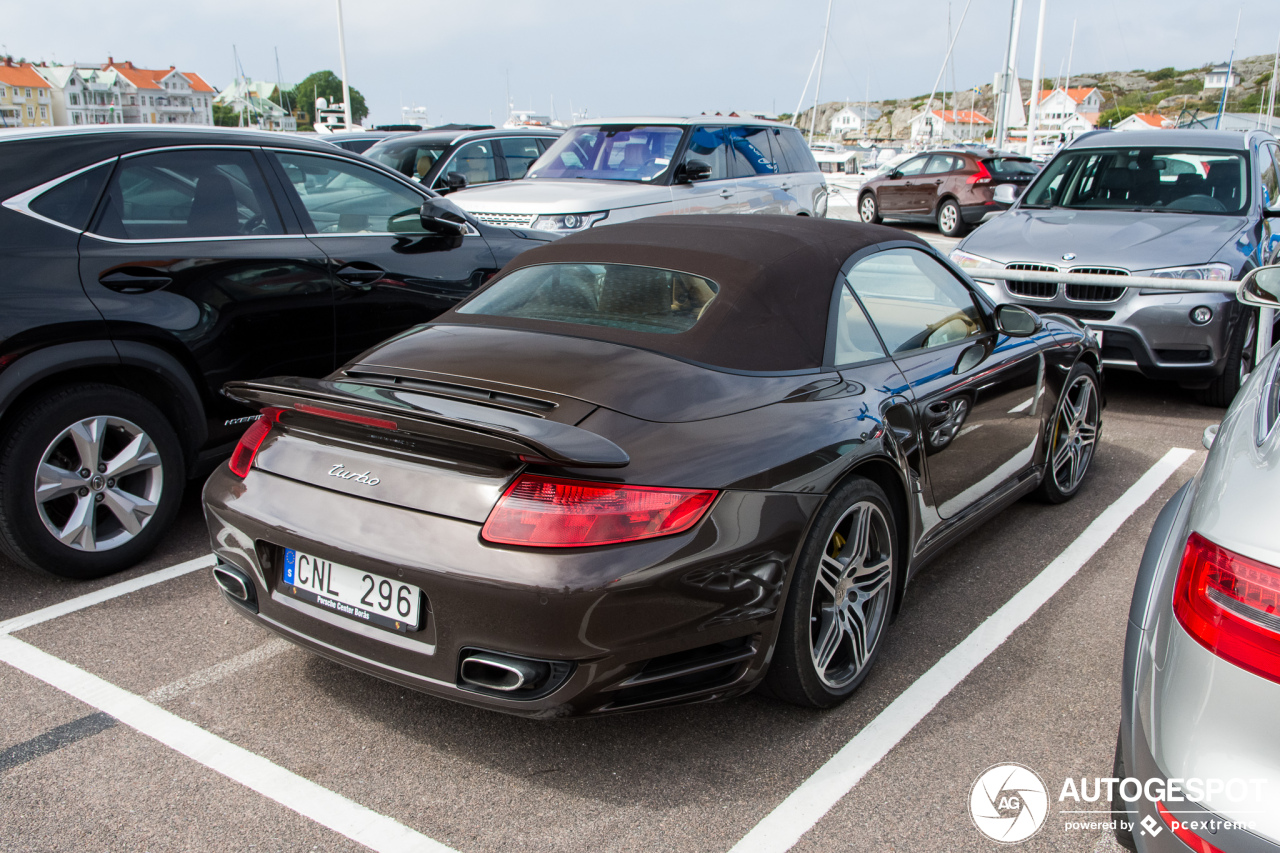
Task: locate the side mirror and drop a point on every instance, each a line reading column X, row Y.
column 894, row 175
column 1016, row 321
column 1005, row 194
column 696, row 170
column 1261, row 287
column 442, row 218
column 455, row 181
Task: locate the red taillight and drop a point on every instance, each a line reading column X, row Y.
column 1179, row 829
column 982, row 176
column 1231, row 605
column 242, row 456
column 363, row 420
column 546, row 512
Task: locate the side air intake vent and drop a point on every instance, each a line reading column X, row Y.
column 684, row 675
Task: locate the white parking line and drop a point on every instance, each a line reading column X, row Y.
column 325, row 807
column 798, row 813
column 217, row 672
column 53, row 611
column 1025, row 404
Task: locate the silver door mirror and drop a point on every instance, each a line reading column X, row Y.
column 1005, row 194
column 1261, row 287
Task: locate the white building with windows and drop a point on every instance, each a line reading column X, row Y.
column 852, row 120
column 939, row 126
column 1059, row 105
column 84, row 94
column 1221, row 76
column 162, row 96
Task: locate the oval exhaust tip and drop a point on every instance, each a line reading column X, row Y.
column 499, row 672
column 231, row 582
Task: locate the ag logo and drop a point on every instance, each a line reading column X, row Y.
column 1008, row 803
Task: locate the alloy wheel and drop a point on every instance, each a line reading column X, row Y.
column 947, row 218
column 1075, row 433
column 99, row 483
column 867, row 210
column 851, row 594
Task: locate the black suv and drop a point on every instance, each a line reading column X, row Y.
column 446, row 159
column 140, row 269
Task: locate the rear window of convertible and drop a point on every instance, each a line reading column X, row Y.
column 617, row 296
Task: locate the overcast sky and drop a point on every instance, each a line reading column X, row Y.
column 649, row 57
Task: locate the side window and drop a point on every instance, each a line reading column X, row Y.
column 856, row 341
column 475, row 161
column 941, row 164
column 1269, row 169
column 914, row 301
column 188, row 194
column 710, row 145
column 799, row 157
column 71, row 202
column 914, row 166
column 519, row 155
column 346, row 198
column 752, row 152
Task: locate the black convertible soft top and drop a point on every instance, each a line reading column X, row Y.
column 775, row 273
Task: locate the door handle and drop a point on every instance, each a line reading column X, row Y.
column 726, row 193
column 134, row 280
column 785, row 187
column 938, row 182
column 360, row 275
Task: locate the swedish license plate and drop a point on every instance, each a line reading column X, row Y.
column 357, row 594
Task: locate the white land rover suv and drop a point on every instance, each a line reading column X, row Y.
column 602, row 172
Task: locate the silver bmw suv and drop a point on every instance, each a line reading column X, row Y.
column 1186, row 204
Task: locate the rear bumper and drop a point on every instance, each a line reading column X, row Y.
column 629, row 619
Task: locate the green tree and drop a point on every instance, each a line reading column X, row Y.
column 327, row 85
column 224, row 116
column 1111, row 117
column 1166, row 73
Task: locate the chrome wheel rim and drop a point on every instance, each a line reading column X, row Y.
column 850, row 595
column 868, row 209
column 1075, row 432
column 98, row 483
column 948, row 217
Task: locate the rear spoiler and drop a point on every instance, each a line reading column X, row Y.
column 415, row 413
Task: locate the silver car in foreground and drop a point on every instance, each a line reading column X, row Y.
column 1200, row 718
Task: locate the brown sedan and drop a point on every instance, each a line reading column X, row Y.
column 653, row 463
column 954, row 189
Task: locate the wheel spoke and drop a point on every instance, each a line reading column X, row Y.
column 131, row 510
column 870, row 582
column 54, row 482
column 830, row 570
column 138, row 455
column 830, row 634
column 87, row 435
column 1088, row 433
column 1062, row 455
column 78, row 531
column 855, row 550
column 856, row 628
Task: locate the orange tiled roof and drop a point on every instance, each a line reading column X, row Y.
column 197, row 82
column 1076, row 95
column 1153, row 119
column 22, row 75
column 149, row 78
column 962, row 117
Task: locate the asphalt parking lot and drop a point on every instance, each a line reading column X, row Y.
column 158, row 719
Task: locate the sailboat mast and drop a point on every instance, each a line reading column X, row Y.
column 342, row 58
column 1226, row 84
column 805, row 90
column 1009, row 75
column 813, row 119
column 1038, row 70
column 1275, row 69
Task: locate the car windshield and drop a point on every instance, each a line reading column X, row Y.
column 617, row 296
column 1008, row 167
column 1158, row 179
column 414, row 159
column 610, row 152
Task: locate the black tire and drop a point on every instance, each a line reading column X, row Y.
column 1119, row 813
column 1070, row 449
column 124, row 434
column 794, row 674
column 869, row 208
column 1239, row 363
column 950, row 220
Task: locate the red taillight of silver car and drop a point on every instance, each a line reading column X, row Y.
column 1231, row 605
column 548, row 512
column 242, row 456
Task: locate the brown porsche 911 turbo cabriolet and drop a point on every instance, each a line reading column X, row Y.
column 654, row 463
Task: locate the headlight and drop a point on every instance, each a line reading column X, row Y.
column 1200, row 272
column 567, row 223
column 973, row 264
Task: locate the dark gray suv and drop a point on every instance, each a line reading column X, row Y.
column 1185, row 204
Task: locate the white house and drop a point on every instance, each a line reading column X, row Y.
column 1059, row 105
column 84, row 95
column 1144, row 121
column 1216, row 78
column 252, row 98
column 852, row 120
column 163, row 96
column 949, row 126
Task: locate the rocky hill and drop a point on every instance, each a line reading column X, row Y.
column 1168, row 91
